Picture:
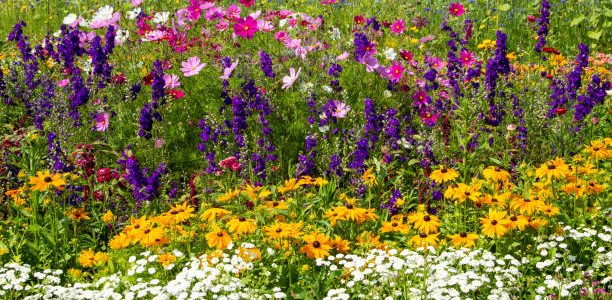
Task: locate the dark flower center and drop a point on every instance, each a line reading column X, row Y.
column 242, row 219
column 394, row 224
column 467, row 193
column 423, row 235
column 349, row 206
column 426, row 218
column 463, row 234
column 497, row 169
column 220, row 234
column 494, row 222
column 443, row 170
column 595, row 148
column 316, row 244
column 147, row 231
column 48, row 179
column 513, row 218
column 551, row 167
column 278, row 230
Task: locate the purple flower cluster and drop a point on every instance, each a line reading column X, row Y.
column 596, row 94
column 144, row 187
column 266, row 64
column 543, row 21
column 390, row 205
column 496, row 66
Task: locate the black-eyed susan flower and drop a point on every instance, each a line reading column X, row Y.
column 494, row 224
column 369, row 178
column 443, row 175
column 598, row 150
column 317, row 245
column 290, row 185
column 395, row 225
column 463, row 239
column 423, row 240
column 241, row 225
column 215, row 213
column 526, row 205
column 424, row 222
column 78, row 214
column 45, row 180
column 518, row 222
column 555, row 168
column 495, row 174
column 166, row 259
column 218, row 238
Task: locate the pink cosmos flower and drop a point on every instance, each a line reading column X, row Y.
column 176, row 93
column 192, row 66
column 247, row 3
column 343, row 56
column 281, row 36
column 233, row 12
column 171, row 81
column 246, row 28
column 398, row 27
column 230, row 163
column 341, row 110
column 101, row 120
column 395, row 72
column 289, row 80
column 466, row 57
column 428, row 117
column 136, row 3
column 63, row 82
column 155, row 35
column 456, row 9
column 326, row 2
column 227, row 72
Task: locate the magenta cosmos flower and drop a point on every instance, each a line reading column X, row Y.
column 398, row 27
column 247, row 3
column 246, row 28
column 101, row 120
column 341, row 110
column 192, row 66
column 395, row 72
column 466, row 57
column 456, row 9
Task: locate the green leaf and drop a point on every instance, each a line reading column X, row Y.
column 577, row 20
column 496, row 161
column 594, row 34
column 505, row 7
column 608, row 13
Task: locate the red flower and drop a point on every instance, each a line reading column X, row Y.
column 407, row 55
column 359, row 20
column 456, row 9
column 560, row 111
column 247, row 3
column 551, row 50
column 531, row 18
column 230, row 163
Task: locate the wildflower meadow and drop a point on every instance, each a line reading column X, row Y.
column 305, row 149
